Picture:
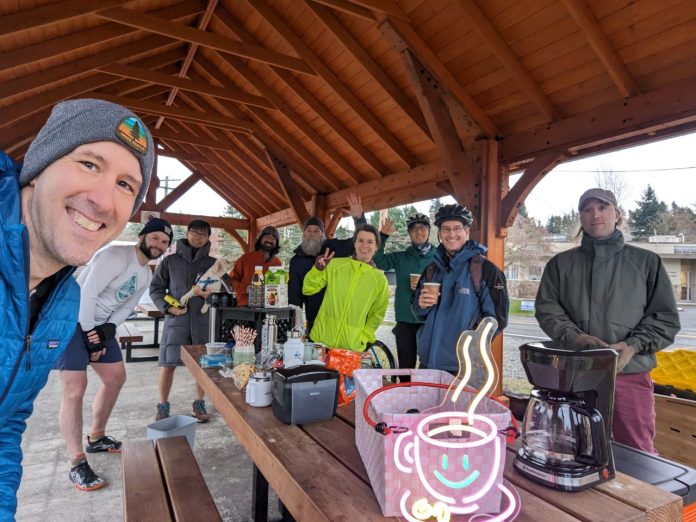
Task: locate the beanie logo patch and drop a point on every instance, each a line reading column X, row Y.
column 131, row 131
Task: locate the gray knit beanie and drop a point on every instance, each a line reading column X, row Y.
column 75, row 122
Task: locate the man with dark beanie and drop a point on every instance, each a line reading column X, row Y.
column 264, row 255
column 314, row 243
column 84, row 175
column 110, row 288
column 175, row 276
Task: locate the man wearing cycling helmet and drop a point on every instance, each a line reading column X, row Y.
column 413, row 260
column 466, row 294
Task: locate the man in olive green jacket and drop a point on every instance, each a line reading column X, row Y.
column 607, row 293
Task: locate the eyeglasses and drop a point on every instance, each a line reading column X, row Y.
column 420, row 228
column 456, row 230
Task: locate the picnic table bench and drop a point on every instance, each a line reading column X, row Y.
column 318, row 474
column 162, row 482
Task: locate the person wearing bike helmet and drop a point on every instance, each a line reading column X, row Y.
column 460, row 303
column 413, row 260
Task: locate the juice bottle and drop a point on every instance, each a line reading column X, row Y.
column 256, row 292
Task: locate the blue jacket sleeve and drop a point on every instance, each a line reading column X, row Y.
column 11, row 459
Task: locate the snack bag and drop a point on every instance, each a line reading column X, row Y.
column 345, row 362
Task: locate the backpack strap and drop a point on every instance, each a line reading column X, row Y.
column 476, row 272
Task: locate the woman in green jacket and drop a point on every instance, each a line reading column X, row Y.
column 356, row 295
column 413, row 260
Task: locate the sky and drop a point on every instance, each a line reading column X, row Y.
column 668, row 165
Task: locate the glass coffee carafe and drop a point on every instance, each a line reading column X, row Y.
column 561, row 431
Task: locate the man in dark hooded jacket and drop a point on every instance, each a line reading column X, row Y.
column 175, row 276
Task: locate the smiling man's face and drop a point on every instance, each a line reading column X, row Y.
column 80, row 202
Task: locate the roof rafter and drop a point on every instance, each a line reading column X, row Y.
column 128, row 53
column 350, row 173
column 502, row 51
column 300, row 90
column 346, row 39
column 50, row 14
column 387, row 7
column 184, row 157
column 181, row 189
column 225, row 93
column 291, row 190
column 326, row 176
column 349, row 8
column 332, row 80
column 182, row 32
column 403, row 36
column 213, row 120
column 72, row 42
column 600, row 44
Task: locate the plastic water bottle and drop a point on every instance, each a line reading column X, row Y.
column 293, row 350
column 256, row 292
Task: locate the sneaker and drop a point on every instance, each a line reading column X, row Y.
column 85, row 479
column 199, row 411
column 105, row 443
column 162, row 411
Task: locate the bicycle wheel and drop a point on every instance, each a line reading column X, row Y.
column 381, row 355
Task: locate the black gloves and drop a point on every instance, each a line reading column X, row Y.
column 106, row 331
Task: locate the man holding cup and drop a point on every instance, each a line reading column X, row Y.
column 408, row 265
column 458, row 289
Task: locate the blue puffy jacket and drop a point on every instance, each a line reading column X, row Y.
column 25, row 357
column 457, row 310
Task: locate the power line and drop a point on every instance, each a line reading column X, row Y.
column 601, row 171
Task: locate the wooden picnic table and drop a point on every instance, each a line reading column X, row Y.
column 318, row 474
column 151, row 311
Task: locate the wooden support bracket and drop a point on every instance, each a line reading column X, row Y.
column 291, row 189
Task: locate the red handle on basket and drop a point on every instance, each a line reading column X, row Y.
column 511, row 433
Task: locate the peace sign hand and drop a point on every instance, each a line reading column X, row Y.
column 324, row 259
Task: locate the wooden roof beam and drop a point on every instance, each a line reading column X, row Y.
column 212, row 120
column 332, row 80
column 285, row 110
column 42, row 16
column 243, row 191
column 457, row 164
column 157, row 25
column 184, row 219
column 402, row 36
column 670, row 106
column 502, row 51
column 181, row 189
column 292, row 192
column 326, row 176
column 29, row 54
column 202, row 25
column 533, row 174
column 183, row 156
column 224, row 93
column 187, row 138
column 349, row 8
column 600, row 44
column 346, row 39
column 387, row 7
column 129, row 52
column 300, row 90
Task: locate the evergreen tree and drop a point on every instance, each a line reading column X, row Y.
column 649, row 217
column 566, row 224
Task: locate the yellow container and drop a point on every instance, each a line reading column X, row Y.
column 676, row 369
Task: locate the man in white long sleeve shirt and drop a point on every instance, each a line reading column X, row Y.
column 110, row 287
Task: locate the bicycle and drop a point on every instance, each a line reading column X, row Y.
column 381, row 355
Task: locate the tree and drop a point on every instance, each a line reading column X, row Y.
column 649, row 217
column 615, row 181
column 526, row 244
column 566, row 224
column 681, row 221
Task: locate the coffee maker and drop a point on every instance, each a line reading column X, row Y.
column 567, row 424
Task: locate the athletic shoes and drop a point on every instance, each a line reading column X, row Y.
column 85, row 479
column 199, row 411
column 162, row 411
column 103, row 444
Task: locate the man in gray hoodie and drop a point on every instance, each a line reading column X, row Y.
column 175, row 276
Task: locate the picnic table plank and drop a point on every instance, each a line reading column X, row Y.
column 188, row 492
column 144, row 496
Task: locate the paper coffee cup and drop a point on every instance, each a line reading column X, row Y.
column 432, row 288
column 414, row 280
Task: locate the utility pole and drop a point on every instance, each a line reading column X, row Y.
column 165, row 184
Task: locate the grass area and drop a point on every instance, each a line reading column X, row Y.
column 518, row 386
column 516, row 308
